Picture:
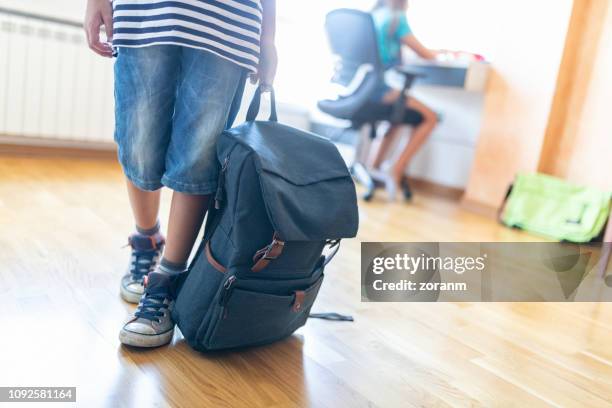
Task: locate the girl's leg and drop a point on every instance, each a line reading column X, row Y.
column 386, row 142
column 388, row 99
column 419, row 135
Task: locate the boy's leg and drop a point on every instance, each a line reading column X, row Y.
column 147, row 242
column 206, row 89
column 187, row 213
column 145, row 207
column 145, row 87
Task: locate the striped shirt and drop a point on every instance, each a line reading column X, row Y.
column 228, row 28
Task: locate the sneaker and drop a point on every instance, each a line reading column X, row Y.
column 146, row 251
column 406, row 189
column 151, row 325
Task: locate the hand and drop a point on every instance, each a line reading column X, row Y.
column 99, row 13
column 266, row 71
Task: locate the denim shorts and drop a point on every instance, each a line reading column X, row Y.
column 171, row 105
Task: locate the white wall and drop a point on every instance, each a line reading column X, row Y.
column 589, row 163
column 68, row 9
column 447, row 157
column 525, row 40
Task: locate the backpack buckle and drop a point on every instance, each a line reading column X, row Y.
column 268, row 253
column 274, row 249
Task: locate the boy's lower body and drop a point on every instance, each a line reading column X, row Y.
column 171, row 104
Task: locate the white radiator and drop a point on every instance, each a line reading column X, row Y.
column 51, row 85
column 54, row 90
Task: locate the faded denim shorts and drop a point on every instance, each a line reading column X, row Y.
column 171, row 105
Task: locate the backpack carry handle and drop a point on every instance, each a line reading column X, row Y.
column 255, row 102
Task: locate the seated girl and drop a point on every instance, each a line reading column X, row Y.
column 392, row 32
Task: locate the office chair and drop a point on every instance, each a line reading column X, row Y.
column 352, row 37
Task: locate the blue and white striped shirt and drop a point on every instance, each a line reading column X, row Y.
column 228, row 28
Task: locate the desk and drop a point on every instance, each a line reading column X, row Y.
column 470, row 76
column 456, row 91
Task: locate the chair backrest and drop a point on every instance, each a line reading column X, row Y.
column 352, row 37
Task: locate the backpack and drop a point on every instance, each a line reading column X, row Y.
column 285, row 198
column 555, row 208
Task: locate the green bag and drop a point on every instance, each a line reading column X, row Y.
column 555, row 208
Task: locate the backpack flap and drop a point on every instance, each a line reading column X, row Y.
column 307, row 189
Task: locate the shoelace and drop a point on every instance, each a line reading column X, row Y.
column 141, row 264
column 152, row 307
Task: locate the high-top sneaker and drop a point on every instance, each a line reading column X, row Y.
column 151, row 325
column 146, row 251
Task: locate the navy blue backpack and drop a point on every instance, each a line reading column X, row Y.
column 285, row 199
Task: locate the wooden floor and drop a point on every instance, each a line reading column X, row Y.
column 62, row 227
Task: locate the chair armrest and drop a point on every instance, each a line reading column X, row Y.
column 409, row 76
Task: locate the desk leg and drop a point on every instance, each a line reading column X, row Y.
column 606, row 249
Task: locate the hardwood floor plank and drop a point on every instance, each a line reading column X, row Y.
column 64, row 222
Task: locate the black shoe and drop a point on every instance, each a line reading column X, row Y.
column 406, row 189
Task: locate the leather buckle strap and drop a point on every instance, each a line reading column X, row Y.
column 268, row 253
column 261, row 259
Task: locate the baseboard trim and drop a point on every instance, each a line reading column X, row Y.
column 435, row 189
column 479, row 208
column 43, row 147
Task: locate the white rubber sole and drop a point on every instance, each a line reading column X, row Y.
column 145, row 340
column 128, row 296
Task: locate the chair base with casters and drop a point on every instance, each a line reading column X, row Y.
column 371, row 179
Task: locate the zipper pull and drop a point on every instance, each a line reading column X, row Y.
column 229, row 282
column 220, row 194
column 227, row 286
column 226, row 295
